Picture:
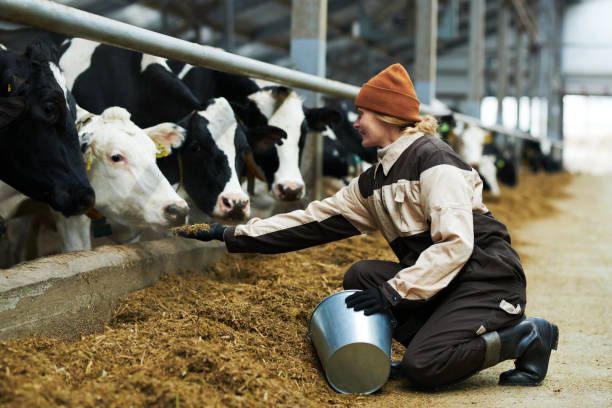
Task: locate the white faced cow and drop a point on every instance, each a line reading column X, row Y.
column 121, row 166
column 38, row 138
column 472, row 141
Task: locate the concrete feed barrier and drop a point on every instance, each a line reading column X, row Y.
column 71, row 294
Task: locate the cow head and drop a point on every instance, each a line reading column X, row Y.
column 121, row 166
column 206, row 163
column 39, row 147
column 280, row 107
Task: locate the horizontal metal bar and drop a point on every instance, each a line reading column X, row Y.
column 501, row 129
column 77, row 23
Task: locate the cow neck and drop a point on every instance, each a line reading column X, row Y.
column 179, row 161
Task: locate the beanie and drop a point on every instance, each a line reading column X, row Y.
column 390, row 92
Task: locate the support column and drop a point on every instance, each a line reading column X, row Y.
column 426, row 50
column 533, row 60
column 549, row 74
column 230, row 38
column 308, row 45
column 518, row 75
column 503, row 22
column 555, row 118
column 476, row 57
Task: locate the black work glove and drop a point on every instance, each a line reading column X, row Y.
column 214, row 232
column 370, row 301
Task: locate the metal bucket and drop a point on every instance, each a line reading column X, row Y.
column 354, row 349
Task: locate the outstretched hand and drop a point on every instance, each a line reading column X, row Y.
column 203, row 232
column 370, row 300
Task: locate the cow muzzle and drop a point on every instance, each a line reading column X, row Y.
column 233, row 206
column 289, row 191
column 74, row 201
column 175, row 214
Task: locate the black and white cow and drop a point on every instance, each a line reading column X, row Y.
column 343, row 155
column 38, row 139
column 349, row 137
column 145, row 86
column 261, row 108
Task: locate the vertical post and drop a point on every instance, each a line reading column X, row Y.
column 476, row 57
column 533, row 74
column 518, row 75
column 426, row 50
column 555, row 118
column 308, row 45
column 503, row 21
column 230, row 39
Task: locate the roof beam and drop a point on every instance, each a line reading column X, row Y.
column 526, row 20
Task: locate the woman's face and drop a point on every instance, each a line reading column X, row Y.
column 374, row 133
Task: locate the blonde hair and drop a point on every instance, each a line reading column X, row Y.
column 427, row 125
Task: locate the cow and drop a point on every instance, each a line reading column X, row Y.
column 282, row 107
column 534, row 158
column 348, row 136
column 146, row 86
column 38, row 138
column 131, row 191
column 277, row 155
column 472, row 140
column 215, row 151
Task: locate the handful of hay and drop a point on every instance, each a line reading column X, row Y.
column 189, row 229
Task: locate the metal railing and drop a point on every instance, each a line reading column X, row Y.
column 77, row 23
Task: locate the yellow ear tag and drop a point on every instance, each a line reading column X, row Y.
column 488, row 138
column 9, row 88
column 162, row 151
column 88, row 166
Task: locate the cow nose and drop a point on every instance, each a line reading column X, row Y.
column 176, row 214
column 86, row 199
column 289, row 191
column 234, row 206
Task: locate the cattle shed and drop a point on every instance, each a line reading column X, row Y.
column 508, row 67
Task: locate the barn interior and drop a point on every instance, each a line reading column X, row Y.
column 173, row 323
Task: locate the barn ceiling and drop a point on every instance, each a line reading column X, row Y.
column 362, row 36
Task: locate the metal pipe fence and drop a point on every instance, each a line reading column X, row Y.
column 77, row 23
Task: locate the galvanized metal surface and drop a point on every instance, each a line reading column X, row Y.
column 354, row 349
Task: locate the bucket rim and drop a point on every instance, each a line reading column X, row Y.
column 321, row 302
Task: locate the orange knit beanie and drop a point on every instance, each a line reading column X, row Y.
column 390, row 92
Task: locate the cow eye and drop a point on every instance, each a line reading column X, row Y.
column 116, row 157
column 196, row 147
column 51, row 111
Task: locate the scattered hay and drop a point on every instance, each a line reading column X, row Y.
column 190, row 229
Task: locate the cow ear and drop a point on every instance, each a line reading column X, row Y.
column 263, row 138
column 318, row 118
column 167, row 136
column 83, row 117
column 10, row 109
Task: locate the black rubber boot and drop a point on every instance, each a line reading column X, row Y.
column 530, row 342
